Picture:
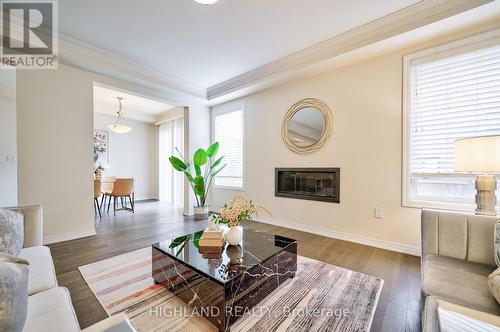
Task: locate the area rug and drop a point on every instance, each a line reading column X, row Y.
column 321, row 297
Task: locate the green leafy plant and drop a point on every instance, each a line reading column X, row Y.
column 206, row 166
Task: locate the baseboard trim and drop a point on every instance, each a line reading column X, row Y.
column 147, row 200
column 382, row 244
column 50, row 239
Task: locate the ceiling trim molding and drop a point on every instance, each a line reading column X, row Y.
column 412, row 17
column 85, row 55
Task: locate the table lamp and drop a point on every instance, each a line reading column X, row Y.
column 481, row 155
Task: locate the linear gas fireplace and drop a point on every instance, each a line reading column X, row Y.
column 317, row 184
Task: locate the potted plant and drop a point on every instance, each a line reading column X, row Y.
column 239, row 209
column 206, row 167
column 99, row 167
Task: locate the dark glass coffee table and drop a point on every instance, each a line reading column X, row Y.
column 223, row 286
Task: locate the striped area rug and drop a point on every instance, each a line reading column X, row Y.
column 321, row 297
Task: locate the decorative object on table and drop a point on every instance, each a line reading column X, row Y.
column 212, row 225
column 211, row 242
column 118, row 126
column 235, row 254
column 307, row 125
column 99, row 167
column 213, row 230
column 101, row 146
column 206, row 167
column 234, row 235
column 212, row 237
column 239, row 209
column 211, row 252
column 480, row 155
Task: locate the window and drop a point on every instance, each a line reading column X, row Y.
column 450, row 92
column 228, row 129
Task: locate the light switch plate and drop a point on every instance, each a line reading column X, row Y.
column 379, row 212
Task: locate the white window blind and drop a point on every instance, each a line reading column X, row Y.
column 450, row 98
column 228, row 130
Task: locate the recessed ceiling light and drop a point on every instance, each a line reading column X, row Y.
column 206, row 2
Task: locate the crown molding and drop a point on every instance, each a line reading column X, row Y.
column 412, row 17
column 87, row 56
column 74, row 52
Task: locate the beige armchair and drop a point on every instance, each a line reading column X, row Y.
column 457, row 257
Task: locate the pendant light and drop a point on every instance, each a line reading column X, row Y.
column 206, row 2
column 117, row 127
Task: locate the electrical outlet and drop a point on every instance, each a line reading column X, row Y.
column 379, row 212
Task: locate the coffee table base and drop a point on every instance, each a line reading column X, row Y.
column 222, row 304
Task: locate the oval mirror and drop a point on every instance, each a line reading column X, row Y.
column 307, row 126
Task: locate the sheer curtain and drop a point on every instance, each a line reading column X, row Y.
column 170, row 136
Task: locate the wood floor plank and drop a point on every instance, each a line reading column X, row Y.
column 399, row 304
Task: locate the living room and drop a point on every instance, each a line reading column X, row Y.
column 318, row 165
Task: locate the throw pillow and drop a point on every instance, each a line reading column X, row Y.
column 497, row 243
column 13, row 292
column 494, row 284
column 11, row 232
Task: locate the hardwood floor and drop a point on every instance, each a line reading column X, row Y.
column 399, row 304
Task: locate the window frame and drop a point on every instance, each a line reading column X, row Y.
column 489, row 38
column 222, row 109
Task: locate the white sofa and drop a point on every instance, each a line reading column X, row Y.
column 49, row 306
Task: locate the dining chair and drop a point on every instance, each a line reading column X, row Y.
column 107, row 184
column 97, row 194
column 123, row 189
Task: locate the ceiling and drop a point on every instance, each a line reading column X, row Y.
column 205, row 45
column 134, row 106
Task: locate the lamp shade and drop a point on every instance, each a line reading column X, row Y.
column 478, row 154
column 206, row 2
column 119, row 129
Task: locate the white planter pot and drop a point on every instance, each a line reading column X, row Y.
column 201, row 212
column 234, row 235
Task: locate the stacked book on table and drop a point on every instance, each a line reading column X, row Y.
column 211, row 244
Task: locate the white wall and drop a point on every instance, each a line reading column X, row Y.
column 8, row 149
column 197, row 127
column 132, row 154
column 54, row 132
column 55, row 138
column 366, row 101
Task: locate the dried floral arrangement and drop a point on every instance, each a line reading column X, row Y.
column 239, row 209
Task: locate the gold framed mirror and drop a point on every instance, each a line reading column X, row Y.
column 307, row 125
